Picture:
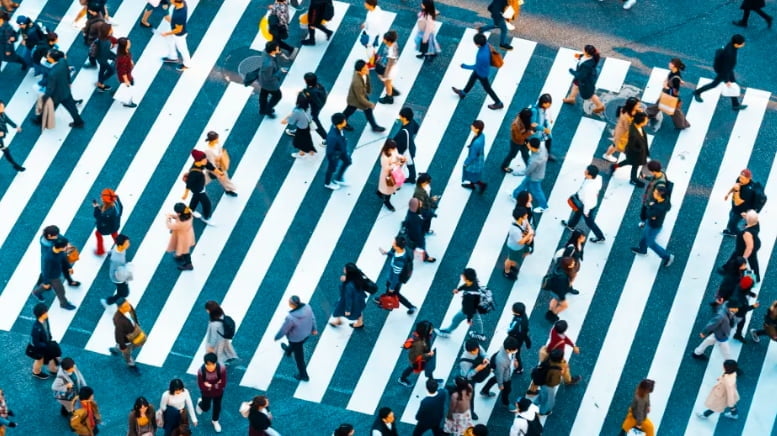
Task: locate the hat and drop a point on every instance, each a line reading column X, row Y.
column 212, row 136
column 21, row 19
column 198, row 155
column 746, row 282
column 747, row 173
column 40, row 309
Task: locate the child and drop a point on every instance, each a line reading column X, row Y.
column 386, row 67
column 4, row 123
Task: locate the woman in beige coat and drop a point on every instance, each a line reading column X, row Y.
column 724, row 394
column 181, row 236
column 620, row 135
column 390, row 159
column 218, row 156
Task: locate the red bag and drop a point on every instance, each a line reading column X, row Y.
column 389, row 301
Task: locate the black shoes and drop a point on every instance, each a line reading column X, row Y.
column 739, row 23
column 636, row 250
column 459, row 92
column 379, row 129
column 699, row 356
column 496, row 106
column 76, row 125
column 386, row 99
column 301, row 378
column 698, row 98
column 231, row 193
column 740, row 107
column 507, row 47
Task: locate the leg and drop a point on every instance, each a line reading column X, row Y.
column 573, row 91
column 126, row 353
column 100, row 245
column 634, row 173
column 216, row 408
column 346, row 162
column 205, row 404
column 122, row 291
column 510, row 156
column 745, row 17
column 298, row 350
column 733, row 221
column 477, row 324
column 319, row 128
column 489, row 384
column 275, row 97
column 470, row 82
column 715, row 82
column 371, row 119
column 504, row 33
column 263, row 97
column 507, row 389
column 226, row 183
column 457, row 319
column 405, row 302
column 59, row 289
column 349, row 110
column 535, row 187
column 574, row 218
column 753, row 261
column 182, row 46
column 487, row 86
column 708, row 341
column 406, row 373
column 725, row 348
column 194, row 202
column 590, row 221
column 9, row 158
column 70, row 106
column 330, row 169
column 207, row 208
column 651, row 234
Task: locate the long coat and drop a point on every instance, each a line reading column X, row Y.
column 585, row 78
column 620, row 136
column 359, row 92
column 637, row 147
column 473, row 165
column 352, row 300
column 181, row 235
column 388, row 163
column 724, row 393
column 58, row 83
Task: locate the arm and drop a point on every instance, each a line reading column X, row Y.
column 731, row 390
column 163, row 401
column 361, row 92
column 748, row 238
column 201, row 380
column 190, row 408
column 284, row 329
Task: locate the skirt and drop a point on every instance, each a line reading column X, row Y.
column 303, row 141
column 459, row 423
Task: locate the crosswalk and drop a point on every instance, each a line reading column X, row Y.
column 348, row 225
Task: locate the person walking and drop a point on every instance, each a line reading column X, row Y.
column 177, row 408
column 338, row 156
column 723, row 64
column 480, row 72
column 107, row 218
column 195, row 184
column 534, row 175
column 558, row 340
column 300, row 118
column 316, row 95
column 426, row 38
column 414, row 229
column 769, row 326
column 742, row 196
column 124, row 66
column 270, row 75
column 636, row 151
column 359, row 97
column 42, row 348
column 639, row 409
column 672, row 84
column 470, row 300
column 756, row 6
column 420, row 353
column 53, row 261
column 104, row 56
column 4, row 123
column 218, row 157
column 141, row 419
column 32, row 33
column 588, row 194
column 400, row 262
column 318, row 12
column 86, row 417
column 391, row 162
column 717, row 330
column 427, row 201
column 459, row 417
column 655, row 214
column 58, row 88
column 620, row 135
column 521, row 129
column 259, row 416
column 212, row 379
column 431, row 411
column 498, row 8
column 127, row 333
column 526, row 417
column 176, row 36
column 585, row 75
column 476, row 159
column 386, row 65
column 221, row 329
column 656, row 178
column 553, row 376
column 384, row 424
column 8, row 42
column 519, row 330
column 353, row 299
column 298, row 326
column 181, row 236
column 520, row 238
column 67, row 385
column 474, row 367
column 405, row 139
column 741, row 300
column 724, row 394
column 48, row 238
column 370, row 36
column 560, row 284
column 6, row 414
column 504, row 363
column 279, row 25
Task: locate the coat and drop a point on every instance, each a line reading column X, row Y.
column 45, row 108
column 352, row 300
column 108, row 220
column 620, row 136
column 751, row 5
column 79, row 424
column 725, row 63
column 388, row 164
column 723, row 394
column 585, row 78
column 519, row 132
column 123, row 327
column 476, row 159
column 637, row 147
column 269, row 74
column 181, row 235
column 359, row 92
column 58, row 83
column 431, row 412
column 133, row 429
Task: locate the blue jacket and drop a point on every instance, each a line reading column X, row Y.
column 482, row 62
column 476, row 155
column 335, row 143
column 51, row 265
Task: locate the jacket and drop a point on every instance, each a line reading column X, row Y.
column 470, row 299
column 620, row 136
column 79, row 422
column 58, row 83
column 405, row 138
column 63, row 378
column 541, row 118
column 45, row 108
column 414, row 226
column 521, row 422
column 108, row 220
column 335, row 144
column 217, row 380
column 7, row 38
column 123, row 327
column 104, row 53
column 497, row 7
column 359, row 92
column 724, row 63
column 417, row 352
column 720, row 324
column 656, row 212
column 52, row 264
column 585, row 75
column 383, row 429
column 427, row 204
column 4, row 123
column 503, row 367
column 467, row 363
column 258, row 422
column 519, row 132
column 431, row 411
column 387, row 165
column 538, row 161
column 723, row 394
column 637, row 147
column 519, row 329
column 589, row 193
column 352, row 300
column 482, row 65
column 476, row 158
column 181, row 235
column 298, row 325
column 269, row 74
column 135, row 429
column 40, row 336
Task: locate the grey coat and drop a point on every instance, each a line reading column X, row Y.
column 269, row 74
column 504, row 367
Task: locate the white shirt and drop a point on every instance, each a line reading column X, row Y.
column 179, row 401
column 372, row 23
column 377, row 432
column 521, row 422
column 589, row 193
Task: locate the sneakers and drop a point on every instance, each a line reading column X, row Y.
column 609, row 158
column 698, row 98
column 386, row 99
column 754, row 335
column 379, row 129
column 628, row 4
column 741, row 107
column 216, row 426
column 636, row 250
column 230, row 193
column 487, row 394
column 730, row 415
column 574, row 291
column 699, row 356
column 197, row 408
column 196, row 214
column 411, row 310
column 497, row 106
column 596, row 240
column 301, row 378
column 170, row 60
column 332, row 186
column 341, row 183
column 507, row 47
column 668, row 261
column 67, row 306
column 404, row 382
column 539, row 209
column 701, row 415
column 114, row 351
column 575, row 380
column 290, row 132
column 181, row 68
column 41, row 375
column 459, row 92
column 739, row 337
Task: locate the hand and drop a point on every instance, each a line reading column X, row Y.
column 347, row 313
column 571, row 71
column 469, row 322
column 728, row 84
column 701, row 335
column 70, row 270
column 455, row 291
column 547, row 131
column 284, row 121
column 284, row 70
column 435, row 197
column 2, row 134
column 576, row 350
column 195, row 423
column 342, row 278
column 756, row 304
column 314, row 332
column 463, row 66
column 46, row 286
column 533, row 125
column 362, row 26
column 69, row 385
column 382, row 251
column 208, row 385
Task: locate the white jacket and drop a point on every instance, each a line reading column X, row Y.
column 521, row 422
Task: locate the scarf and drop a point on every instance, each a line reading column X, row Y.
column 90, row 420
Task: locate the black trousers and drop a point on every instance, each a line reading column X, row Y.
column 504, row 394
column 122, row 291
column 106, row 71
column 205, row 406
column 7, row 155
column 486, row 85
column 590, row 221
column 419, row 430
column 634, row 168
column 201, row 197
column 715, row 82
column 759, row 11
column 12, row 56
column 281, row 43
column 350, row 110
column 402, row 300
column 268, row 100
column 298, row 350
column 319, row 128
column 70, row 106
column 514, row 149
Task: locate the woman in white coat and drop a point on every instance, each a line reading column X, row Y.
column 724, row 394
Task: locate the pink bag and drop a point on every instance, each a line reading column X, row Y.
column 398, row 175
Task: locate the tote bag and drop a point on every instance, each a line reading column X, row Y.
column 730, row 91
column 667, row 103
column 124, row 94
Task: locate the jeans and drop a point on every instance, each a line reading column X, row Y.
column 486, row 85
column 350, row 110
column 504, row 393
column 499, row 23
column 715, row 82
column 535, row 188
column 205, row 406
column 333, row 165
column 589, row 221
column 546, row 399
column 477, row 323
column 106, row 71
column 514, row 149
column 649, row 241
column 57, row 286
column 122, row 291
column 268, row 100
column 201, row 197
column 733, row 221
column 298, row 349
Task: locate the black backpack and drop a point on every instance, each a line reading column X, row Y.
column 539, row 374
column 717, row 63
column 535, row 426
column 407, row 268
column 316, row 96
column 481, row 375
column 759, row 196
column 229, row 327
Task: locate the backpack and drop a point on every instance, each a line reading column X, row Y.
column 668, row 187
column 759, row 196
column 539, row 374
column 496, row 58
column 535, row 426
column 481, row 375
column 316, row 96
column 492, row 361
column 229, row 327
column 486, row 304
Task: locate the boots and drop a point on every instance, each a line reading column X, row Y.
column 185, row 262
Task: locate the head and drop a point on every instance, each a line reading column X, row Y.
column 645, row 387
column 41, row 311
column 591, row 51
column 399, row 243
column 183, row 211
column 123, row 47
column 86, row 394
column 428, row 7
column 339, row 120
column 390, row 37
column 631, row 106
column 591, row 171
column 55, row 56
column 480, row 430
column 424, row 329
column 406, row 115
column 272, row 48
column 361, row 67
column 730, row 366
column 210, row 361
column 640, row 119
column 60, row 244
column 520, row 213
column 523, row 404
column 577, row 237
column 311, row 79
column 140, row 407
column 178, row 3
column 479, row 39
column 199, row 157
column 352, row 272
column 556, row 355
column 469, row 276
column 523, row 198
column 461, row 384
column 472, row 346
column 659, row 193
column 533, row 144
column 302, row 102
column 23, row 21
column 212, row 137
column 510, row 344
column 738, row 41
column 295, row 301
column 545, row 101
column 68, row 364
column 431, row 386
column 3, row 17
column 654, row 167
column 51, row 232
column 751, row 217
column 745, row 176
column 108, row 196
column 424, row 179
column 344, row 430
column 52, row 38
column 560, row 327
column 176, row 386
column 389, row 147
column 525, row 116
column 386, row 415
column 676, row 65
column 519, row 309
column 370, row 4
column 260, row 402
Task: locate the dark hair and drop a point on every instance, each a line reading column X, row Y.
column 519, row 308
column 470, row 275
column 4, row 16
column 60, row 243
column 52, row 36
column 400, row 241
column 371, row 2
column 640, row 117
column 67, row 363
column 431, row 385
column 85, row 393
column 424, row 329
column 302, row 102
column 343, row 430
column 121, row 239
column 51, row 231
column 523, row 198
column 259, row 401
column 406, row 113
column 480, row 39
column 574, row 237
column 384, row 412
column 593, row 52
column 661, row 189
column 428, row 7
column 525, row 116
column 556, row 355
column 479, row 125
column 176, row 384
column 461, row 383
column 654, row 166
column 510, row 343
column 56, row 55
column 391, row 36
column 520, row 211
column 534, row 143
column 480, row 430
column 645, row 387
column 730, row 366
column 472, row 344
column 630, row 105
column 544, row 98
column 338, row 118
column 103, row 31
column 121, row 49
column 354, row 274
column 270, row 47
column 593, row 170
column 678, row 63
column 139, row 402
column 560, row 326
column 389, row 145
column 567, row 265
column 423, row 178
column 311, row 79
column 210, row 358
column 359, row 65
column 737, row 39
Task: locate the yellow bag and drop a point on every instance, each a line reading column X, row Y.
column 264, row 27
column 667, row 103
column 303, row 21
column 137, row 337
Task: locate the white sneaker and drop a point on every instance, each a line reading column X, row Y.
column 290, row 132
column 216, row 426
column 539, row 209
column 297, row 155
column 510, row 25
column 629, row 4
column 196, row 214
column 342, row 183
column 701, row 415
column 333, row 186
column 609, row 158
column 197, row 408
column 755, row 336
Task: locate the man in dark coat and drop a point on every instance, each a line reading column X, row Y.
column 7, row 40
column 270, row 75
column 755, row 6
column 497, row 9
column 724, row 63
column 359, row 96
column 337, row 154
column 124, row 322
column 58, row 88
column 431, row 411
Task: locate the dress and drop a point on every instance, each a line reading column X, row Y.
column 387, row 164
column 302, row 139
column 181, row 235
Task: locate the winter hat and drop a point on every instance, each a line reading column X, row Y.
column 413, row 205
column 746, row 282
column 40, row 309
column 198, row 155
column 747, row 173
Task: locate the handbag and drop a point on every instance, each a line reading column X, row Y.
column 137, row 337
column 575, row 203
column 398, row 176
column 496, row 58
column 667, row 103
column 32, row 352
column 124, row 94
column 508, row 13
column 72, row 254
column 364, row 39
column 388, row 301
column 730, row 91
column 67, row 395
column 53, row 350
column 245, row 408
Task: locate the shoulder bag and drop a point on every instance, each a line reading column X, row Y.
column 137, row 337
column 575, row 202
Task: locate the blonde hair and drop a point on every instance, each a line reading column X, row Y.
column 751, row 217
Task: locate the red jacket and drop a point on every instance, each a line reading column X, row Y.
column 217, row 380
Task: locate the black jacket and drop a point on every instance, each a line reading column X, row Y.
column 470, row 300
column 58, row 84
column 109, row 220
column 415, row 231
column 519, row 329
column 725, row 61
column 497, row 7
column 405, row 138
column 431, row 411
column 383, row 428
column 637, row 147
column 40, row 335
column 656, row 212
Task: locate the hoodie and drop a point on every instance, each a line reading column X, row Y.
column 298, row 325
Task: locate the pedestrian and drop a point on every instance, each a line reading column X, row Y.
column 741, row 300
column 279, row 25
column 474, row 367
column 526, row 418
column 149, row 9
column 733, row 272
column 724, row 394
column 53, row 261
column 519, row 330
column 639, row 409
column 504, row 363
column 318, row 12
column 620, row 135
column 104, row 56
column 370, row 36
column 39, row 55
column 270, row 75
column 655, row 214
column 42, row 349
column 519, row 242
column 353, row 299
column 384, row 423
column 391, row 174
column 534, row 175
column 58, row 88
column 4, row 123
column 359, row 97
column 95, row 16
column 470, row 301
column 717, row 330
column 32, row 34
column 472, row 175
column 195, row 184
column 431, row 411
column 405, row 139
column 742, row 199
column 560, row 284
column 127, row 333
column 67, row 385
column 300, row 119
column 672, row 84
column 498, row 9
column 400, row 268
column 656, row 178
column 414, row 229
column 585, row 75
column 260, row 417
column 221, row 330
column 316, row 95
column 459, row 417
column 298, row 326
column 480, row 72
column 420, row 353
column 723, row 64
column 344, row 430
column 212, row 379
column 636, row 150
column 86, row 417
column 141, row 419
column 553, row 376
column 558, row 340
column 524, row 199
column 588, row 194
column 521, row 129
column 48, row 238
column 177, row 409
column 8, row 42
column 107, row 218
column 176, row 36
column 386, row 65
column 338, row 156
column 756, row 6
column 5, row 414
column 124, row 66
column 769, row 326
column 218, row 157
column 573, row 248
column 181, row 236
column 426, row 38
column 477, row 430
column 427, row 201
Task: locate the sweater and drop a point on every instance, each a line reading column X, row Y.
column 538, row 161
column 640, row 407
column 178, row 401
column 51, row 265
column 482, row 65
column 720, row 324
column 298, row 325
column 216, row 378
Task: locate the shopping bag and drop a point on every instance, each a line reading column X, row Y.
column 730, row 91
column 124, row 94
column 667, row 103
